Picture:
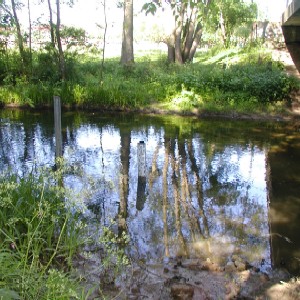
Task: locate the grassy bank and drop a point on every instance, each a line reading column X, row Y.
column 236, row 80
column 39, row 235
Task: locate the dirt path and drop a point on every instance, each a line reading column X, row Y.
column 284, row 56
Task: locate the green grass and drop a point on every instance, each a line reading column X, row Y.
column 240, row 80
column 39, row 235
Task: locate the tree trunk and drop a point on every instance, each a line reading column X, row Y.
column 61, row 58
column 19, row 36
column 265, row 25
column 104, row 41
column 52, row 31
column 190, row 35
column 178, row 33
column 223, row 30
column 171, row 49
column 30, row 36
column 127, row 57
column 171, row 53
column 165, row 207
column 196, row 41
column 125, row 136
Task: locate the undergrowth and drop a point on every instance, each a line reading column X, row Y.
column 232, row 79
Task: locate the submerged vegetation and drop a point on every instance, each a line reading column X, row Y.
column 243, row 80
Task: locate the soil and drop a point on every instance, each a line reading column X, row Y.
column 190, row 278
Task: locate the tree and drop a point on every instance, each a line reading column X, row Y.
column 61, row 57
column 56, row 35
column 6, row 23
column 189, row 20
column 233, row 14
column 127, row 56
column 72, row 36
column 52, row 27
column 19, row 34
column 30, row 35
column 12, row 12
column 104, row 40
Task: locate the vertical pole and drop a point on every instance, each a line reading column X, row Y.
column 141, row 152
column 141, row 188
column 57, row 126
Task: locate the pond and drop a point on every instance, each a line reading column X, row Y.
column 212, row 188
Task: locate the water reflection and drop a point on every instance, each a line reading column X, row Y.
column 212, row 188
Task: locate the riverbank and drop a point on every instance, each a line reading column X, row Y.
column 232, row 83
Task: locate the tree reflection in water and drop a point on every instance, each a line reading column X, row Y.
column 208, row 186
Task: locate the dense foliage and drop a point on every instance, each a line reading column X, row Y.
column 217, row 80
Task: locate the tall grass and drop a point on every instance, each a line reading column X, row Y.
column 39, row 234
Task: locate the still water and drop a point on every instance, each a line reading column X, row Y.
column 212, row 188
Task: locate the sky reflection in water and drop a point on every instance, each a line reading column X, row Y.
column 207, row 190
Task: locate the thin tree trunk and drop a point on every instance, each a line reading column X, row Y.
column 265, row 25
column 30, row 35
column 19, row 35
column 171, row 49
column 104, row 41
column 52, row 31
column 127, row 57
column 199, row 189
column 196, row 41
column 178, row 223
column 190, row 35
column 192, row 216
column 223, row 30
column 61, row 58
column 171, row 53
column 124, row 178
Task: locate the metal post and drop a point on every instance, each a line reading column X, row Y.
column 57, row 126
column 141, row 153
column 141, row 188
